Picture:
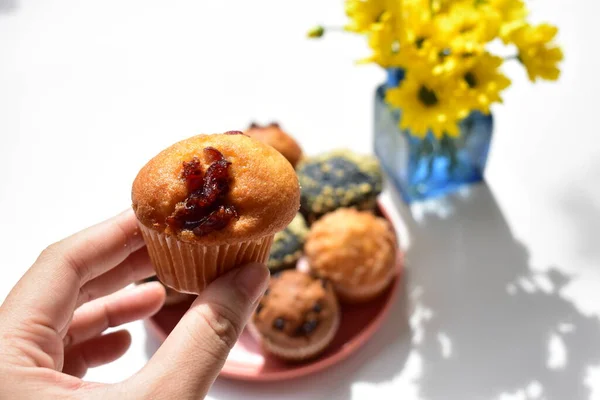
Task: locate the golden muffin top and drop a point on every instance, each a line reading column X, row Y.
column 351, row 247
column 217, row 189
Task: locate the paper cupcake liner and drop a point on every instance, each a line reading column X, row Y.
column 299, row 353
column 190, row 267
column 363, row 293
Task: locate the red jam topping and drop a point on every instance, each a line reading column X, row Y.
column 204, row 211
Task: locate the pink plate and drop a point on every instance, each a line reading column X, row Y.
column 247, row 361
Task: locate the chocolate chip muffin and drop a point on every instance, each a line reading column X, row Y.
column 298, row 316
column 338, row 179
column 288, row 245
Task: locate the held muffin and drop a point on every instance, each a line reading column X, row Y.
column 355, row 250
column 298, row 316
column 288, row 245
column 210, row 203
column 274, row 136
column 338, row 179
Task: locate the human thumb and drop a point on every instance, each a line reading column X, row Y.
column 188, row 362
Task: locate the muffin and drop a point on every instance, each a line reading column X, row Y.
column 274, row 136
column 173, row 296
column 298, row 316
column 355, row 250
column 338, row 179
column 288, row 245
column 210, row 203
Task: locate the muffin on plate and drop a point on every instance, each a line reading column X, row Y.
column 273, row 135
column 355, row 250
column 210, row 203
column 173, row 296
column 340, row 178
column 288, row 245
column 298, row 316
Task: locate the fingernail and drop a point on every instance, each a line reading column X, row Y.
column 252, row 279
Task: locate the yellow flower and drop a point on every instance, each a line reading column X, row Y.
column 423, row 48
column 428, row 106
column 466, row 28
column 513, row 14
column 430, row 62
column 415, row 36
column 384, row 40
column 439, row 6
column 537, row 52
column 417, row 24
column 483, row 82
column 364, row 13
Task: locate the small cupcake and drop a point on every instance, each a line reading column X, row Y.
column 298, row 316
column 173, row 296
column 355, row 250
column 210, row 203
column 288, row 245
column 338, row 179
column 274, row 136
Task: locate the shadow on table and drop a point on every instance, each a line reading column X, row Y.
column 583, row 213
column 152, row 343
column 484, row 324
column 8, row 6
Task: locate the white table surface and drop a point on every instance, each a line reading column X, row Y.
column 503, row 284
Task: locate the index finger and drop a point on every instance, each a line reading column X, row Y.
column 49, row 289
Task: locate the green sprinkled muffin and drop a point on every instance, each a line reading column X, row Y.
column 288, row 245
column 340, row 178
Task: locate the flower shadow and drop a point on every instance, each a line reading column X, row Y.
column 484, row 324
column 8, row 6
column 583, row 214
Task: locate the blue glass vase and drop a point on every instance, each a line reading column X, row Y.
column 421, row 168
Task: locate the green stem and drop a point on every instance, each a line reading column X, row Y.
column 513, row 57
column 334, row 28
column 450, row 150
column 432, row 152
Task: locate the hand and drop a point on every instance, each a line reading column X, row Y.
column 52, row 321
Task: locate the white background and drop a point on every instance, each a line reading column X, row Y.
column 502, row 284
